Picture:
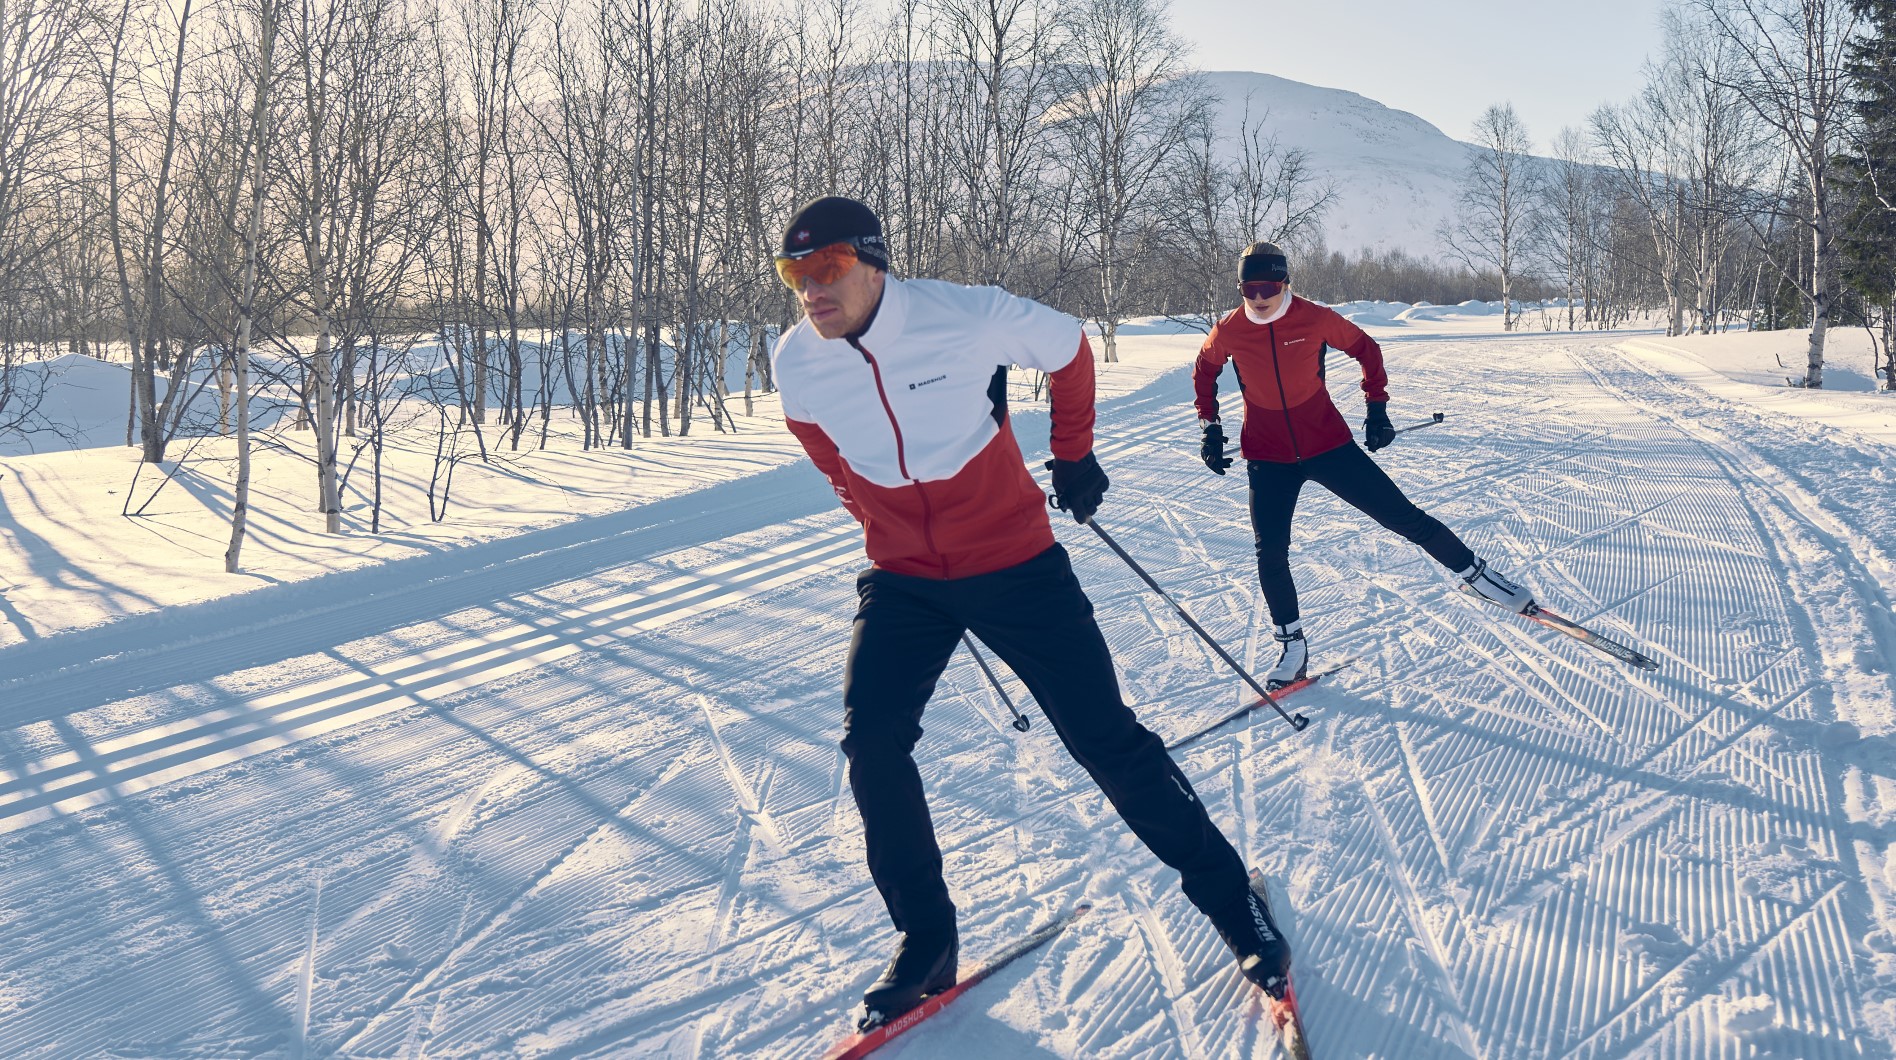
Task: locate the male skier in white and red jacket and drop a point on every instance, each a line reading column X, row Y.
column 897, row 390
column 1294, row 434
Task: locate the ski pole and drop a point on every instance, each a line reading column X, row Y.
column 1297, row 722
column 1020, row 720
column 1430, row 422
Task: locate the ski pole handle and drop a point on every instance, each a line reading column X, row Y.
column 1430, row 422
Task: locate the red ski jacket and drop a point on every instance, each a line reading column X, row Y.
column 909, row 422
column 1288, row 415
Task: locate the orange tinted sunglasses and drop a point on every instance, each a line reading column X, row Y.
column 824, row 266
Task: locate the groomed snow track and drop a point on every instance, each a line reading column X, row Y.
column 578, row 793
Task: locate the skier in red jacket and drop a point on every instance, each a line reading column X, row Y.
column 1293, row 434
column 897, row 390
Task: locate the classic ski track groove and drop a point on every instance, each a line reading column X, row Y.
column 1868, row 572
column 1180, row 1011
column 1867, row 577
column 1417, row 914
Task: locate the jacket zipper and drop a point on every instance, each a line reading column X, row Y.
column 1283, row 399
column 901, row 457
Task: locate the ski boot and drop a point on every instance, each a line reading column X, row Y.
column 1263, row 955
column 1497, row 588
column 923, row 965
column 1293, row 664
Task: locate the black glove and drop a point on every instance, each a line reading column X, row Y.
column 1078, row 486
column 1377, row 430
column 1212, row 452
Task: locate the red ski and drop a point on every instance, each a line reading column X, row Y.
column 1284, row 1013
column 876, row 1037
column 1290, row 1027
column 1607, row 645
column 1289, row 689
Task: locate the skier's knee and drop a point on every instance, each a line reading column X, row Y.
column 1273, row 559
column 877, row 737
column 1414, row 526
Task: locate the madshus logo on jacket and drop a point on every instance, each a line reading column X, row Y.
column 908, row 421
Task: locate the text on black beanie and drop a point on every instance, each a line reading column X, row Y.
column 1263, row 261
column 835, row 219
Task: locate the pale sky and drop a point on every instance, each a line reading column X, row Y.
column 1446, row 61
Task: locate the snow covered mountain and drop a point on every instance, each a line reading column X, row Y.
column 1396, row 176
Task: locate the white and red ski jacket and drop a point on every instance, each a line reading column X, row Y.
column 909, row 422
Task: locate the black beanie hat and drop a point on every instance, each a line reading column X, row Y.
column 1263, row 261
column 834, row 219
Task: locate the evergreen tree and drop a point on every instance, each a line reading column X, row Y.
column 1867, row 175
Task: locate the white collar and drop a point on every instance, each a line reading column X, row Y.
column 891, row 315
column 1251, row 314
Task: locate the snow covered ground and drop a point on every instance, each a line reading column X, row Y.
column 558, row 777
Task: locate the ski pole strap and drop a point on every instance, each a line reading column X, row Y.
column 1020, row 720
column 1430, row 422
column 1298, row 723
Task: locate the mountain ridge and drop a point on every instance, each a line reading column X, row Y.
column 1397, row 177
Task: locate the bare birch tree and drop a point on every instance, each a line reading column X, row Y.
column 262, row 127
column 1128, row 115
column 1569, row 217
column 1792, row 76
column 1496, row 215
column 591, row 132
column 143, row 54
column 1637, row 143
column 42, row 77
column 1001, row 55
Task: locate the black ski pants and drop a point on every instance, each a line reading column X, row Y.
column 1036, row 618
column 1349, row 473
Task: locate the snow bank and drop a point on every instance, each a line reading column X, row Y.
column 85, row 405
column 1155, row 326
column 1469, row 310
column 1367, row 314
column 1769, row 358
column 1753, row 367
column 87, row 398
